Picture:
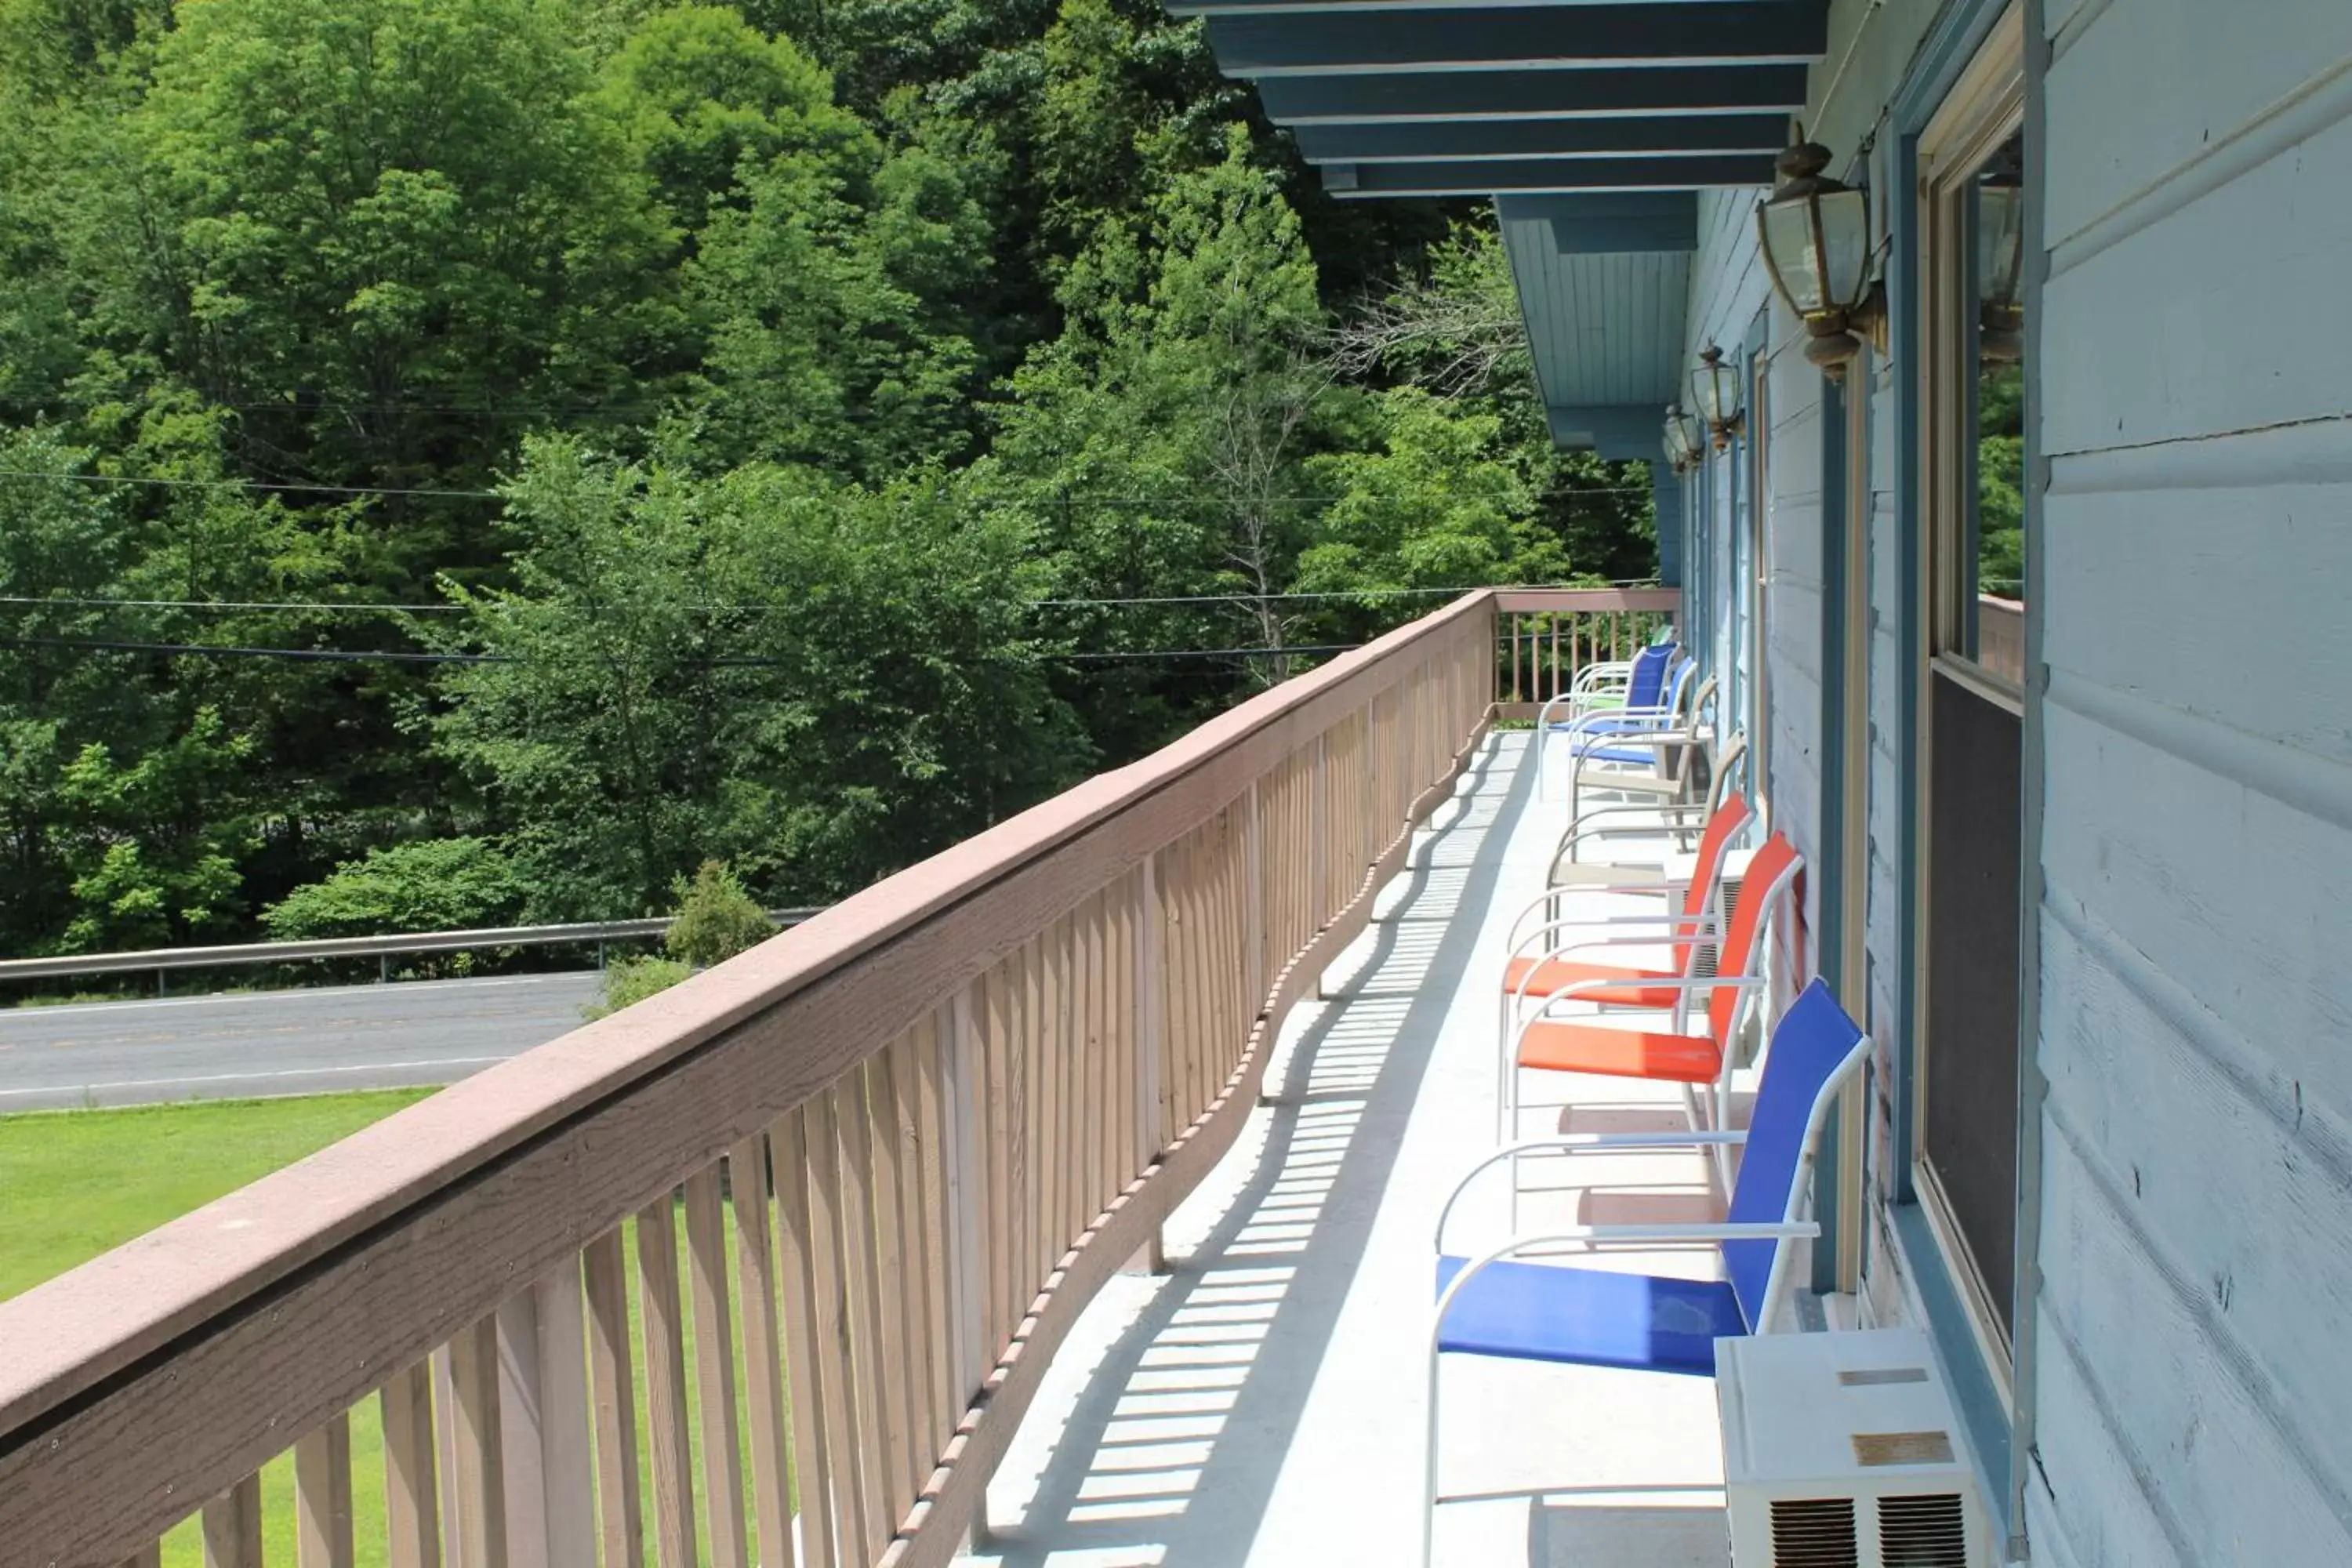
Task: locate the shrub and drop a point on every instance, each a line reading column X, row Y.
column 628, row 981
column 435, row 884
column 716, row 918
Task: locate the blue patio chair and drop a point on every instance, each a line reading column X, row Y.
column 1616, row 683
column 1658, row 683
column 1653, row 758
column 1552, row 1312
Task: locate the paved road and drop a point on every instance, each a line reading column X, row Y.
column 279, row 1042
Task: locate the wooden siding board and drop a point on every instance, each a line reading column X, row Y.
column 2238, row 1487
column 2150, row 340
column 2240, row 896
column 2176, row 560
column 2093, row 1496
column 2112, row 139
column 2129, row 1087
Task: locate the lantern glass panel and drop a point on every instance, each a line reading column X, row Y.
column 1715, row 388
column 1845, row 248
column 1789, row 240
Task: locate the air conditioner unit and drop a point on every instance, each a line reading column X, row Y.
column 1840, row 1451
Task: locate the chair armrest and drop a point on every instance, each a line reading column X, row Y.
column 1700, row 929
column 1570, row 1143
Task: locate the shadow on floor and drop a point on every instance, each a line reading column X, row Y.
column 1173, row 1451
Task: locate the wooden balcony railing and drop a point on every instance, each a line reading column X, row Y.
column 798, row 1237
column 1542, row 640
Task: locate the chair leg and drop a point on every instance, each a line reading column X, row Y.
column 1429, row 1466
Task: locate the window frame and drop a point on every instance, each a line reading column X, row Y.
column 1985, row 107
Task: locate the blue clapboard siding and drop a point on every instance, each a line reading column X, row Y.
column 2196, row 1030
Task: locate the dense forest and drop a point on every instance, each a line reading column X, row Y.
column 466, row 461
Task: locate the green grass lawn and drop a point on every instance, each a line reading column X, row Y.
column 76, row 1183
column 90, row 1180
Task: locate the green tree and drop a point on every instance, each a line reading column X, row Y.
column 1441, row 504
column 699, row 92
column 156, row 840
column 818, row 683
column 378, row 230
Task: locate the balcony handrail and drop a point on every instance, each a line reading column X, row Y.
column 162, row 1374
column 393, row 944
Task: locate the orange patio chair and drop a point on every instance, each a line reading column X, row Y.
column 1546, row 1040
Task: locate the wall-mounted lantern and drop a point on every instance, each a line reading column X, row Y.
column 1814, row 231
column 1714, row 389
column 2001, row 262
column 1683, row 439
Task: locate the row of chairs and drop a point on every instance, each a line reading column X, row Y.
column 1569, row 1004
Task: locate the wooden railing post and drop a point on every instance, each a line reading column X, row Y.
column 1318, row 839
column 967, row 1209
column 1254, row 903
column 1150, row 1035
column 322, row 1496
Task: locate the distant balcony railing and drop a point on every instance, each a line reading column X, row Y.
column 2000, row 636
column 798, row 1237
column 1544, row 640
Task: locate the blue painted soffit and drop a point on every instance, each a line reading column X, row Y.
column 1457, row 98
column 1592, row 124
column 1603, row 281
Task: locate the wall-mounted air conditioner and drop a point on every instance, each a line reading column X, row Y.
column 1841, row 1451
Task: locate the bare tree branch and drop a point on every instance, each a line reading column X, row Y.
column 1454, row 343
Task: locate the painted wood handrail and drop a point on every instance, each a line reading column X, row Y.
column 940, row 1114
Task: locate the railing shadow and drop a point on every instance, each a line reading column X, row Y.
column 1174, row 1450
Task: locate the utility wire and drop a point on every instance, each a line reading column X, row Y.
column 356, row 655
column 306, row 488
column 356, row 607
column 274, row 486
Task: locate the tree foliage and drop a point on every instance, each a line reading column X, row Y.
column 472, row 460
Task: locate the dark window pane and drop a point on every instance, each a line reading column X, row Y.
column 1972, row 956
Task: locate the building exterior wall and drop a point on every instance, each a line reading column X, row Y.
column 2194, row 1185
column 2195, row 1193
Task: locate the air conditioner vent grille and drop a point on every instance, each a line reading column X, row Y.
column 1922, row 1531
column 1815, row 1533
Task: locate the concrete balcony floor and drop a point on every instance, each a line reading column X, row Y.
column 1262, row 1402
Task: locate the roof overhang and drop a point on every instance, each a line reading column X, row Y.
column 1460, row 97
column 1592, row 124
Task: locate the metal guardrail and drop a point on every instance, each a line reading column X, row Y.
column 158, row 960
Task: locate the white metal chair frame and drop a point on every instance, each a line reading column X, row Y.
column 1665, row 932
column 1675, row 688
column 1667, row 743
column 1794, row 1225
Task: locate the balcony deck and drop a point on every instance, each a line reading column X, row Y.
column 1262, row 1402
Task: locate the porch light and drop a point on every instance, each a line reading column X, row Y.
column 1682, row 440
column 1714, row 388
column 1814, row 231
column 2001, row 264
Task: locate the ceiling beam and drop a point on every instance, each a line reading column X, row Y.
column 1518, row 37
column 1439, row 141
column 1504, row 176
column 1405, row 99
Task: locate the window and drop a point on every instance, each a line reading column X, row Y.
column 1756, row 717
column 1971, row 380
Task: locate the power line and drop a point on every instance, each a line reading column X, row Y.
column 292, row 487
column 393, row 656
column 273, row 486
column 356, row 607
